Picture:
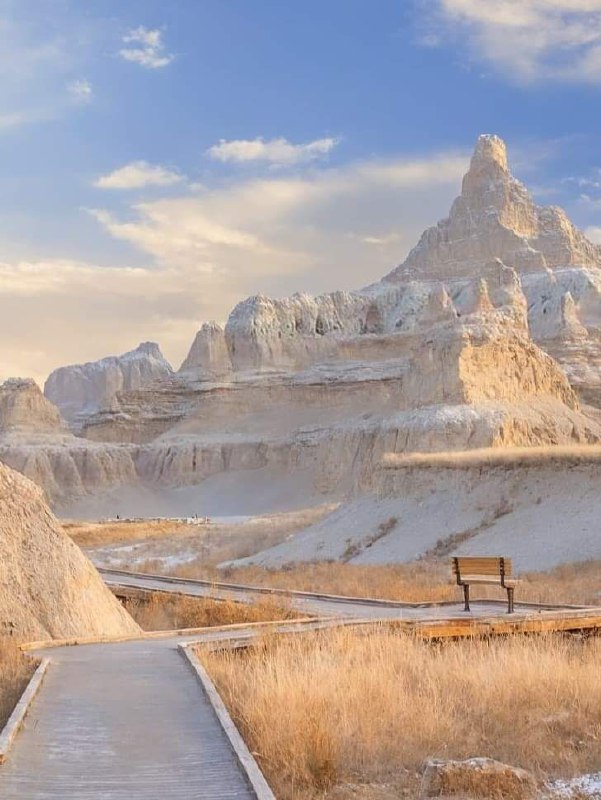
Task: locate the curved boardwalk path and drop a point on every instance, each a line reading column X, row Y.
column 123, row 721
column 130, row 720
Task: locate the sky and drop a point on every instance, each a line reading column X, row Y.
column 164, row 159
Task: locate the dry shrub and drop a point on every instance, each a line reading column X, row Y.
column 15, row 671
column 161, row 611
column 342, row 707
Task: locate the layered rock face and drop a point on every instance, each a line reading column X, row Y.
column 466, row 344
column 495, row 217
column 209, row 356
column 35, row 440
column 48, row 588
column 24, row 407
column 86, row 388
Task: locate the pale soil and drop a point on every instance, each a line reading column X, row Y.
column 540, row 514
column 161, row 611
column 342, row 715
column 15, row 671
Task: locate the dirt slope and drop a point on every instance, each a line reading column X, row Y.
column 48, row 588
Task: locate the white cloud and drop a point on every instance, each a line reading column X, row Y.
column 593, row 233
column 148, row 48
column 80, row 91
column 334, row 228
column 137, row 175
column 525, row 40
column 382, row 241
column 273, row 151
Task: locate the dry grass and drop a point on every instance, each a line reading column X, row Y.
column 98, row 534
column 332, row 710
column 487, row 457
column 212, row 542
column 420, row 581
column 15, row 671
column 161, row 611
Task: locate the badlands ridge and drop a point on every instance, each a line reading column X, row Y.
column 487, row 335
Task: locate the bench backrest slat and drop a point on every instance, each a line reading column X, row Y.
column 482, row 565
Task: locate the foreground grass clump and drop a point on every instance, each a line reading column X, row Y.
column 15, row 671
column 331, row 709
column 160, row 611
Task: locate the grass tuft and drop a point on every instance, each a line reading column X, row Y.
column 160, row 611
column 340, row 708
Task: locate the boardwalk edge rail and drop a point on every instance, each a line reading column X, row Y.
column 247, row 761
column 13, row 725
column 295, row 593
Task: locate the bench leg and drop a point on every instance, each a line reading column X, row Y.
column 510, row 601
column 466, row 596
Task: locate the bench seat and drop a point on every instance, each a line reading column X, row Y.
column 484, row 570
column 489, row 579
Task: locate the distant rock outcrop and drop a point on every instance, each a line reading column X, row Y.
column 86, row 388
column 23, row 407
column 208, row 357
column 495, row 217
column 48, row 588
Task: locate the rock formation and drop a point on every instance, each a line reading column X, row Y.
column 495, row 217
column 48, row 588
column 208, row 357
column 86, row 388
column 24, row 407
column 466, row 344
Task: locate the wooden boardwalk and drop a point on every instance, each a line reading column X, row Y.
column 130, row 719
column 431, row 620
column 119, row 722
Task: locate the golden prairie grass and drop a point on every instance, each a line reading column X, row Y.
column 95, row 534
column 486, row 457
column 213, row 541
column 418, row 581
column 15, row 671
column 160, row 611
column 327, row 710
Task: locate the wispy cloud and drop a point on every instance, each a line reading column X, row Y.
column 41, row 65
column 594, row 234
column 525, row 41
column 137, row 175
column 205, row 251
column 146, row 48
column 278, row 152
column 80, row 91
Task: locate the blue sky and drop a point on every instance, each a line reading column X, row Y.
column 163, row 159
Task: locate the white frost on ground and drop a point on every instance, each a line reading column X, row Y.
column 583, row 786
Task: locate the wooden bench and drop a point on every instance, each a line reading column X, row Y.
column 495, row 570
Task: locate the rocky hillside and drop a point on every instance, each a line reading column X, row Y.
column 48, row 589
column 86, row 388
column 23, row 407
column 488, row 334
